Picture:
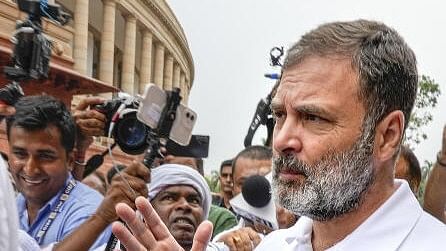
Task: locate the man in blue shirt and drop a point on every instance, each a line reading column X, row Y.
column 51, row 203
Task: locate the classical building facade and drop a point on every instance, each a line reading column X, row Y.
column 130, row 43
column 123, row 44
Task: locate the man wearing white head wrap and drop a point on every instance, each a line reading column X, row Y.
column 182, row 199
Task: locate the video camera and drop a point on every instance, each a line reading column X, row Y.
column 32, row 50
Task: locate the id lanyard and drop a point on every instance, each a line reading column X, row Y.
column 63, row 197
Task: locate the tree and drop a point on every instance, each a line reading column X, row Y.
column 428, row 92
column 213, row 181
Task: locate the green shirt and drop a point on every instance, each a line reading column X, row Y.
column 222, row 219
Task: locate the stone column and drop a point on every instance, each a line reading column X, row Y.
column 182, row 86
column 186, row 91
column 107, row 42
column 146, row 59
column 168, row 73
column 128, row 60
column 80, row 36
column 176, row 76
column 158, row 71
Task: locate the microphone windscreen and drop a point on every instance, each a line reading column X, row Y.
column 256, row 191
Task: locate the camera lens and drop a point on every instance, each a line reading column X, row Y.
column 131, row 135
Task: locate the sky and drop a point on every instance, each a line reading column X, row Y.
column 230, row 42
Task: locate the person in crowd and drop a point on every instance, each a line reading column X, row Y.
column 408, row 168
column 51, row 203
column 253, row 160
column 181, row 196
column 345, row 97
column 435, row 192
column 221, row 218
column 83, row 237
column 225, row 178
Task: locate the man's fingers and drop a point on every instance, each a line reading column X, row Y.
column 138, row 169
column 84, row 103
column 202, row 236
column 6, row 110
column 153, row 221
column 255, row 238
column 138, row 228
column 89, row 114
column 126, row 238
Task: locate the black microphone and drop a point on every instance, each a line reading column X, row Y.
column 254, row 203
column 256, row 190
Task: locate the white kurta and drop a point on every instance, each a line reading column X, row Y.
column 399, row 224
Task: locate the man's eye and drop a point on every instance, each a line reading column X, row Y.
column 195, row 201
column 46, row 157
column 278, row 115
column 19, row 154
column 168, row 198
column 314, row 118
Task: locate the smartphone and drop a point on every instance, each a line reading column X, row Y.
column 149, row 112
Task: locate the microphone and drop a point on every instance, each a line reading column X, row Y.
column 254, row 203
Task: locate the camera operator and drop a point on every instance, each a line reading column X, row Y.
column 90, row 123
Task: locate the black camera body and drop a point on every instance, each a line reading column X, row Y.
column 32, row 50
column 122, row 125
column 32, row 53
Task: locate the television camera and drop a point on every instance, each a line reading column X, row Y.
column 32, row 50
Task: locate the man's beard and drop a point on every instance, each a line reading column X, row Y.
column 332, row 186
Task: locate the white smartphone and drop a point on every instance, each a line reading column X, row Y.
column 149, row 112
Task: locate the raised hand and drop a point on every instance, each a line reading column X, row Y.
column 152, row 233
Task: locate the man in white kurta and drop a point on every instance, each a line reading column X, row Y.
column 399, row 224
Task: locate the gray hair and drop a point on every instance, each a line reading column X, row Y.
column 386, row 66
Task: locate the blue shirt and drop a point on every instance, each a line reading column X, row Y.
column 81, row 204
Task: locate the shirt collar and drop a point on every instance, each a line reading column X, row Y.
column 390, row 224
column 21, row 203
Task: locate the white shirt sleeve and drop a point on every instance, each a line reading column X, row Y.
column 8, row 212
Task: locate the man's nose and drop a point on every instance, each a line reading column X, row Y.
column 287, row 137
column 183, row 204
column 30, row 165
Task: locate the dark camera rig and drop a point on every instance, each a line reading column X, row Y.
column 263, row 114
column 32, row 50
column 132, row 135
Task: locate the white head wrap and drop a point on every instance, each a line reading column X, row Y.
column 174, row 174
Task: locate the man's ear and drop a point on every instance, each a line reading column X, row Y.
column 388, row 135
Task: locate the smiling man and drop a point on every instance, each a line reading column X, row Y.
column 182, row 199
column 51, row 203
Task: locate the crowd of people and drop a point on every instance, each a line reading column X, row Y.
column 342, row 179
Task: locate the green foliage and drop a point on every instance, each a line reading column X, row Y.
column 213, row 181
column 425, row 170
column 428, row 93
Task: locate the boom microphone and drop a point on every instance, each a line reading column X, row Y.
column 254, row 203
